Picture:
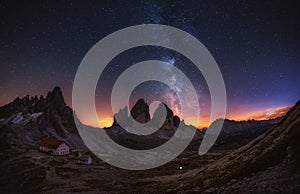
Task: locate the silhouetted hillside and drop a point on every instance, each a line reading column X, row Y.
column 26, row 120
column 269, row 163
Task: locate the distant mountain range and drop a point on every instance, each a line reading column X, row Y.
column 269, row 163
column 245, row 127
column 25, row 121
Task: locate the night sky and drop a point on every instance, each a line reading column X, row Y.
column 255, row 43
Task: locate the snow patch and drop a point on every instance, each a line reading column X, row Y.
column 18, row 118
column 36, row 115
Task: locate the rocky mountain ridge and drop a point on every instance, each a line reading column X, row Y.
column 245, row 127
column 26, row 120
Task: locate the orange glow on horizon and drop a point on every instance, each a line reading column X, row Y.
column 204, row 120
column 264, row 114
column 106, row 122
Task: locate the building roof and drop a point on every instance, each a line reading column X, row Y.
column 51, row 142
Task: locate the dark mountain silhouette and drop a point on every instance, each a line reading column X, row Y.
column 233, row 134
column 169, row 121
column 54, row 111
column 140, row 111
column 122, row 114
column 269, row 163
column 26, row 120
column 245, row 127
column 166, row 126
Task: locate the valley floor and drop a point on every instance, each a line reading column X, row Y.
column 30, row 171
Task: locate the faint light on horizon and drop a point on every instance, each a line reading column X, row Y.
column 263, row 114
column 204, row 120
column 107, row 122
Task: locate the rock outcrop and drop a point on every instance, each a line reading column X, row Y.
column 166, row 122
column 123, row 115
column 140, row 111
column 25, row 120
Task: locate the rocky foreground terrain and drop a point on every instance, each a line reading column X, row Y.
column 249, row 156
column 268, row 164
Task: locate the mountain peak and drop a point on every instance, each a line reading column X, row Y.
column 56, row 90
column 56, row 95
column 141, row 101
column 27, row 104
column 140, row 111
